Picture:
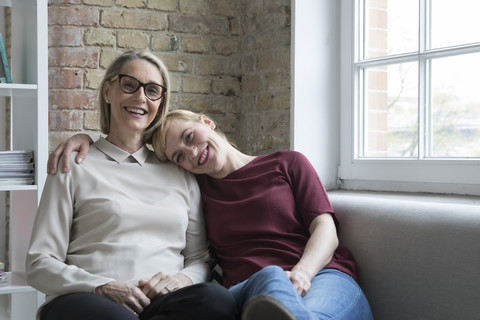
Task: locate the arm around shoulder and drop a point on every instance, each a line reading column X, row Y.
column 197, row 256
column 79, row 142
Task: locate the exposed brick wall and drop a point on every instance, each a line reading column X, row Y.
column 377, row 78
column 229, row 59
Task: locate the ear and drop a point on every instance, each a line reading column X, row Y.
column 106, row 91
column 208, row 121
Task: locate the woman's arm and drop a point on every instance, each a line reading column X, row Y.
column 196, row 253
column 79, row 142
column 317, row 254
column 46, row 265
column 311, row 201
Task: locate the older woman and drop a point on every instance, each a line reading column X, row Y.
column 122, row 235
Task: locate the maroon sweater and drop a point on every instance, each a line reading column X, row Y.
column 260, row 214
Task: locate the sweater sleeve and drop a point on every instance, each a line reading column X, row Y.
column 197, row 257
column 46, row 265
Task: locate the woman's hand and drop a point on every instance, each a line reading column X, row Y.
column 300, row 279
column 79, row 142
column 129, row 296
column 162, row 283
column 318, row 252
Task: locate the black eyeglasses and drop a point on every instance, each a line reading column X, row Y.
column 129, row 84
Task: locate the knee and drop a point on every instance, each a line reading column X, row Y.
column 272, row 272
column 225, row 306
column 215, row 292
column 270, row 275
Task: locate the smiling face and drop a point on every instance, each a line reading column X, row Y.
column 195, row 146
column 131, row 113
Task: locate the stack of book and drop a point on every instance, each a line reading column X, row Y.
column 16, row 167
column 3, row 276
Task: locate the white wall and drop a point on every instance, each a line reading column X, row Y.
column 315, row 115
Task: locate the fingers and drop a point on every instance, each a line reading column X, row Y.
column 64, row 149
column 79, row 142
column 138, row 301
column 125, row 294
column 68, row 149
column 300, row 282
column 135, row 301
column 53, row 159
column 82, row 153
column 160, row 283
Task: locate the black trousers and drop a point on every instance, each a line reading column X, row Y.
column 201, row 301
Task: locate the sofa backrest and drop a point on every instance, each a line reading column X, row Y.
column 418, row 257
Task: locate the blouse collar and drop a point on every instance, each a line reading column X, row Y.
column 120, row 155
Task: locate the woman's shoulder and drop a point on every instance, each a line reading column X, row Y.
column 282, row 160
column 285, row 156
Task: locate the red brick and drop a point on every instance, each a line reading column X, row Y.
column 65, row 78
column 74, row 16
column 65, row 120
column 72, row 99
column 64, row 36
column 73, row 57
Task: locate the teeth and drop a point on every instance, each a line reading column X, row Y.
column 135, row 110
column 203, row 157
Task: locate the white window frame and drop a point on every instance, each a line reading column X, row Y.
column 415, row 175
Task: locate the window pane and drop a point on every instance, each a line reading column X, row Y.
column 454, row 22
column 391, row 111
column 455, row 99
column 391, row 27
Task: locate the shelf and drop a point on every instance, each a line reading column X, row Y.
column 18, row 187
column 27, row 96
column 17, row 3
column 16, row 284
column 9, row 89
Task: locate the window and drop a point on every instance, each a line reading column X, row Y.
column 411, row 95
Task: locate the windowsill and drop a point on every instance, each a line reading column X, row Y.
column 409, row 198
column 404, row 187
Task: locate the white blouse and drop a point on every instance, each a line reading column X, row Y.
column 116, row 216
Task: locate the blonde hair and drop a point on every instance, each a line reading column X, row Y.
column 160, row 135
column 114, row 69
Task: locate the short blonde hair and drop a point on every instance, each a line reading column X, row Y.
column 114, row 69
column 160, row 135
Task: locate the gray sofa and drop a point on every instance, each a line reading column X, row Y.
column 418, row 255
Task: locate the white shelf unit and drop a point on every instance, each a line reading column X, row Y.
column 29, row 131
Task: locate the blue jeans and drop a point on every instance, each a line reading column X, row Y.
column 333, row 294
